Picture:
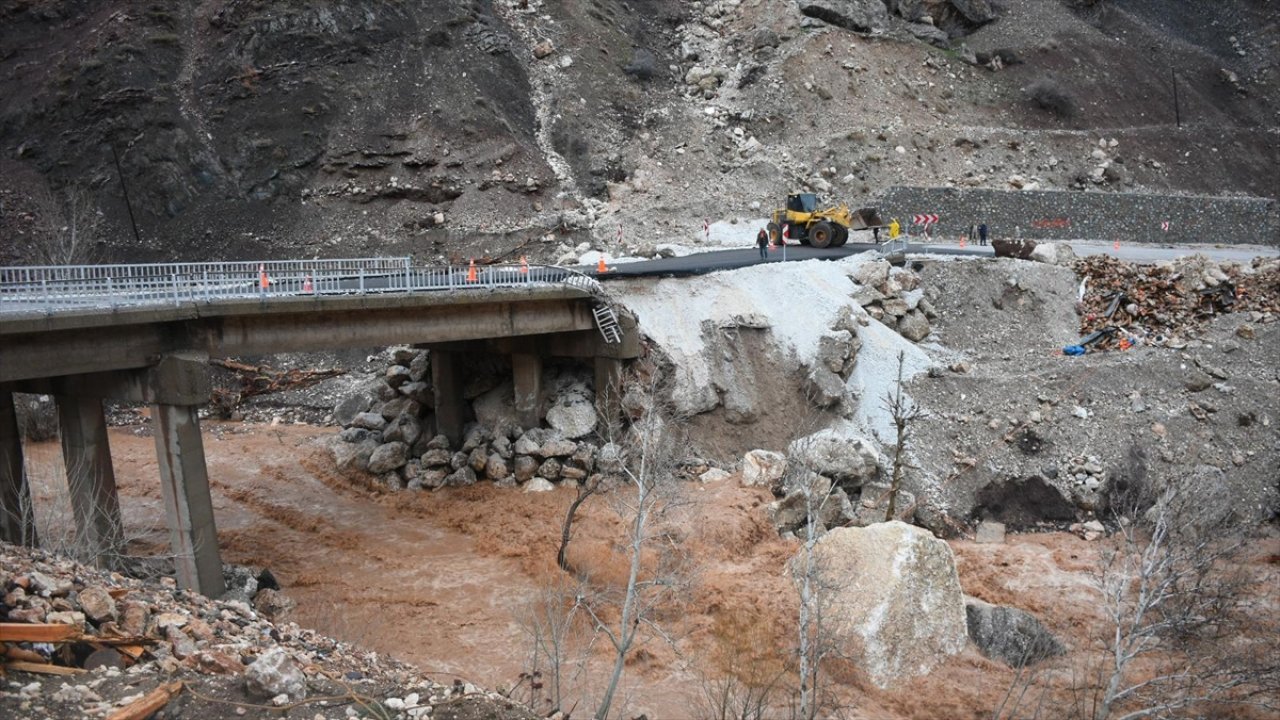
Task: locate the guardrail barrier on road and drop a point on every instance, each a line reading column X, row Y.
column 48, row 289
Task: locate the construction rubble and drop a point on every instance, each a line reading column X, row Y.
column 1125, row 304
column 77, row 641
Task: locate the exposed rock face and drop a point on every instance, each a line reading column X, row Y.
column 1012, row 636
column 274, row 673
column 896, row 608
column 824, row 388
column 849, row 460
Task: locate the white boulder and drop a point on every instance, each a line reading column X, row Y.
column 895, row 604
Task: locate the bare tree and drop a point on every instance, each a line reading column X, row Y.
column 647, row 498
column 1181, row 632
column 67, row 228
column 743, row 670
column 905, row 413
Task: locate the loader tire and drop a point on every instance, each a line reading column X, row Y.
column 821, row 235
column 775, row 233
column 842, row 236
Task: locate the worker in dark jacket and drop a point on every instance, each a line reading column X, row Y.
column 982, row 233
column 762, row 241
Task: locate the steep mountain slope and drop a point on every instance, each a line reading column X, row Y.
column 458, row 128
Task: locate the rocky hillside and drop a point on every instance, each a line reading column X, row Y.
column 451, row 128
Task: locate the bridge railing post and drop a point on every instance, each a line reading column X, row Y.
column 361, row 279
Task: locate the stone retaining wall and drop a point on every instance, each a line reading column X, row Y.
column 1090, row 215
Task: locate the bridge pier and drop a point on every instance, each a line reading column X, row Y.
column 446, row 376
column 17, row 514
column 526, row 371
column 188, row 506
column 91, row 481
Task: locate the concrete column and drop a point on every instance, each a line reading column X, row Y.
column 90, row 478
column 526, row 369
column 184, row 485
column 446, row 376
column 608, row 379
column 17, row 514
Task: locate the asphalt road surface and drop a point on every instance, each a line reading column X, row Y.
column 715, row 260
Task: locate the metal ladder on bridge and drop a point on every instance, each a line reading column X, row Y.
column 607, row 321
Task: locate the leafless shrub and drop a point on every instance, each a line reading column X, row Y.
column 67, row 228
column 1048, row 95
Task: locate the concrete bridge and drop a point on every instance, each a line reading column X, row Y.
column 144, row 334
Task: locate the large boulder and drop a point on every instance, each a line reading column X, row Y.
column 352, row 405
column 369, row 421
column 389, row 456
column 1009, row 635
column 1054, row 254
column 837, row 351
column 857, row 15
column 895, row 602
column 405, row 429
column 763, row 467
column 573, row 419
column 914, row 326
column 824, row 388
column 352, row 458
column 275, row 673
column 850, row 460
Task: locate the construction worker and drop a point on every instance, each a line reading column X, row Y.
column 895, row 229
column 762, row 242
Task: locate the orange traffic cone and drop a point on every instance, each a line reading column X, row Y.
column 306, row 284
column 524, row 265
column 471, row 273
column 262, row 277
column 1116, row 246
column 601, row 267
column 962, row 240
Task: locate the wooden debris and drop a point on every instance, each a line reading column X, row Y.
column 149, row 704
column 261, row 380
column 42, row 668
column 39, row 632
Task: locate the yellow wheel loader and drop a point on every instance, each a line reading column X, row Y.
column 820, row 227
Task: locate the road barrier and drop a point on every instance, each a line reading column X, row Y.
column 48, row 289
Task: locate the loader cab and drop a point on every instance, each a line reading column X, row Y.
column 802, row 202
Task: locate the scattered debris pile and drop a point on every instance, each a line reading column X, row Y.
column 260, row 380
column 1125, row 303
column 81, row 642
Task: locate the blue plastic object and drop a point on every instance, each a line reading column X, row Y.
column 1073, row 350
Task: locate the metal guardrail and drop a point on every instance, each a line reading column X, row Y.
column 49, row 289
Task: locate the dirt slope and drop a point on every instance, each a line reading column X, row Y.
column 449, row 129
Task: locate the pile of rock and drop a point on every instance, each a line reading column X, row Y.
column 119, row 637
column 816, row 479
column 389, row 433
column 825, row 384
column 893, row 296
column 1085, row 480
